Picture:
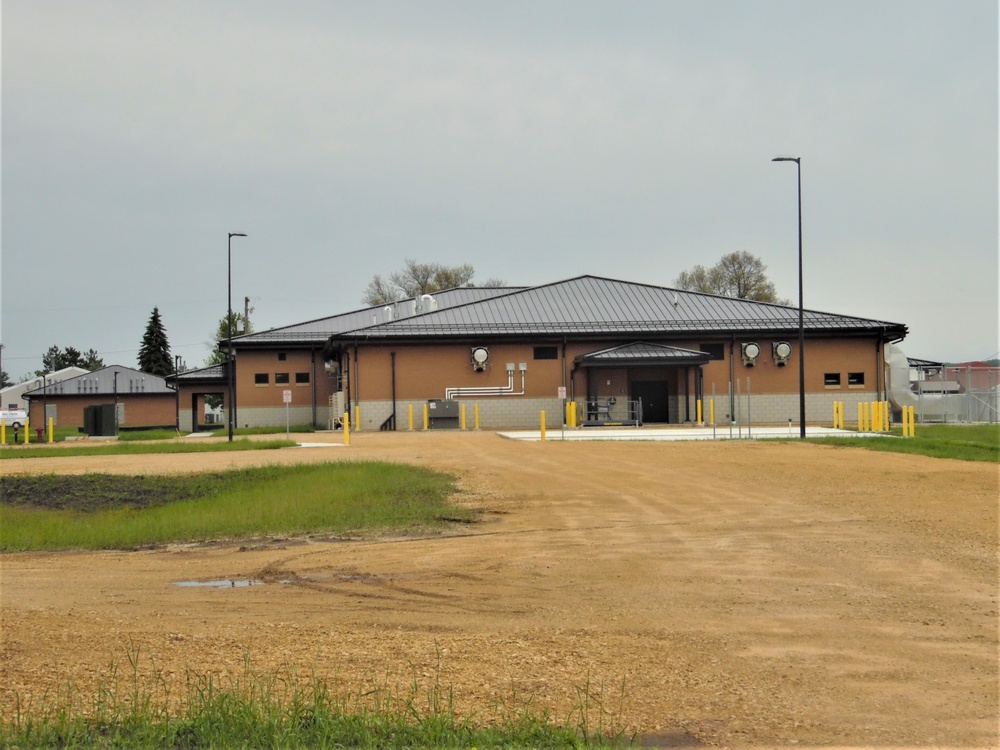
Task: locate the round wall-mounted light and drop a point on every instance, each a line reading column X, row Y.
column 782, row 350
column 480, row 356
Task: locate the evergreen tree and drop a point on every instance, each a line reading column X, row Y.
column 154, row 354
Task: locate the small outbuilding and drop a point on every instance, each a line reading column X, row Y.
column 140, row 400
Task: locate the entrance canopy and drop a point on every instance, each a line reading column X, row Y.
column 642, row 353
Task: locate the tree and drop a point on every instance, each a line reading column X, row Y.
column 154, row 354
column 739, row 274
column 57, row 359
column 416, row 279
column 5, row 379
column 237, row 326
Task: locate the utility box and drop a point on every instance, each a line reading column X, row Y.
column 442, row 414
column 99, row 420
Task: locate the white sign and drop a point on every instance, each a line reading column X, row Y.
column 287, row 395
column 562, row 391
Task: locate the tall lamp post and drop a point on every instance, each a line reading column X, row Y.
column 230, row 364
column 802, row 332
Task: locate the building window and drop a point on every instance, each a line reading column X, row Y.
column 302, row 378
column 281, row 378
column 855, row 378
column 282, row 356
column 714, row 351
column 546, row 352
column 261, row 378
column 831, row 379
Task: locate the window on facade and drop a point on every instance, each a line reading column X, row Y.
column 302, row 378
column 282, row 356
column 261, row 378
column 855, row 378
column 714, row 351
column 546, row 352
column 831, row 379
column 281, row 378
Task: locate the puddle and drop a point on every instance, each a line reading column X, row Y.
column 222, row 583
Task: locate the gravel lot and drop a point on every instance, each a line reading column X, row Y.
column 730, row 593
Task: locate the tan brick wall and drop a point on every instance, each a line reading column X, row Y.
column 153, row 410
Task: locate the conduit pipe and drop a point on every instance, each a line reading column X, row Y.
column 498, row 390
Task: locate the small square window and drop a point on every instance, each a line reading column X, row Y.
column 281, row 378
column 261, row 378
column 714, row 351
column 855, row 378
column 302, row 378
column 546, row 352
column 831, row 379
column 282, row 356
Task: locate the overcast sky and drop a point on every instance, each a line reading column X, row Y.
column 535, row 140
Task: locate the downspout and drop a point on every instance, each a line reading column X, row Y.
column 357, row 382
column 879, row 368
column 347, row 375
column 392, row 355
column 732, row 379
column 312, row 384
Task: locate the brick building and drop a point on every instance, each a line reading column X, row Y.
column 142, row 400
column 612, row 345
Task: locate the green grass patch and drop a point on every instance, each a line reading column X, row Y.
column 120, row 512
column 280, row 711
column 137, row 435
column 116, row 448
column 978, row 442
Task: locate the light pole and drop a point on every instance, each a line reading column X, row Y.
column 802, row 331
column 230, row 364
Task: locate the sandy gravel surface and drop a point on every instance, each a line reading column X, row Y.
column 737, row 594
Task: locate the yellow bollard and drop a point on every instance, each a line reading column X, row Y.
column 913, row 421
column 543, row 425
column 461, row 415
column 887, row 412
column 475, row 412
column 876, row 418
column 347, row 427
column 3, row 432
column 711, row 411
column 357, row 416
column 835, row 415
column 906, row 421
column 51, row 426
column 698, row 402
column 27, row 429
column 864, row 416
column 411, row 417
column 427, row 417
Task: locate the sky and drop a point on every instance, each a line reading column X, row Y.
column 538, row 140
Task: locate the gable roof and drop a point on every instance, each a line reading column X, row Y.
column 106, row 381
column 643, row 353
column 589, row 305
column 319, row 330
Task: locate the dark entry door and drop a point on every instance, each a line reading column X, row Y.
column 655, row 406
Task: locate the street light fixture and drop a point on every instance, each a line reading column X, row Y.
column 802, row 333
column 230, row 364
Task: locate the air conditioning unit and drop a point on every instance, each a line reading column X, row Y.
column 781, row 351
column 750, row 352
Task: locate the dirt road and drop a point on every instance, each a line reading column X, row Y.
column 739, row 594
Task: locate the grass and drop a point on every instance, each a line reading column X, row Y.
column 977, row 442
column 116, row 448
column 334, row 498
column 279, row 711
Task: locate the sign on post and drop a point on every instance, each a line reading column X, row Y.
column 287, row 398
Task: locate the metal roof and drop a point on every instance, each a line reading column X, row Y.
column 643, row 352
column 589, row 305
column 319, row 330
column 212, row 372
column 108, row 380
